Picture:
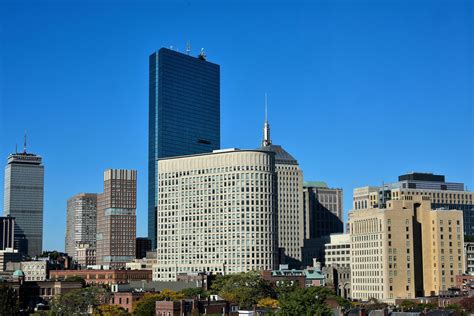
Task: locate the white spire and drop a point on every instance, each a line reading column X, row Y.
column 266, row 127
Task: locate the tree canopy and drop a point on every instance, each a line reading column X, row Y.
column 8, row 301
column 80, row 301
column 305, row 301
column 146, row 305
column 244, row 289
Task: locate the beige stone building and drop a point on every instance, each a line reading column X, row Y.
column 35, row 270
column 85, row 255
column 290, row 200
column 81, row 222
column 217, row 213
column 404, row 250
column 116, row 218
column 443, row 195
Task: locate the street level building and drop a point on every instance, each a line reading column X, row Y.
column 290, row 200
column 116, row 218
column 23, row 200
column 217, row 213
column 405, row 250
column 443, row 195
column 184, row 113
column 81, row 225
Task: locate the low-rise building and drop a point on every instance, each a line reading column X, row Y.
column 126, row 299
column 200, row 307
column 7, row 256
column 469, row 258
column 35, row 270
column 339, row 278
column 85, row 255
column 141, row 264
column 302, row 278
column 109, row 277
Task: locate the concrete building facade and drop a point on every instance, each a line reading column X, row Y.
column 290, row 200
column 338, row 250
column 81, row 222
column 23, row 200
column 35, row 270
column 404, row 250
column 217, row 213
column 443, row 195
column 116, row 218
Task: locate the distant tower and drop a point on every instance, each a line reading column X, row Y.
column 23, row 200
column 116, row 218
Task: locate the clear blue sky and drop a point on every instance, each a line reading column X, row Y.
column 359, row 91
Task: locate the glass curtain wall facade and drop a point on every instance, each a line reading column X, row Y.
column 184, row 114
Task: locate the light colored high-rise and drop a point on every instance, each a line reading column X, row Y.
column 443, row 195
column 338, row 250
column 290, row 200
column 116, row 218
column 217, row 213
column 23, row 200
column 405, row 250
column 81, row 222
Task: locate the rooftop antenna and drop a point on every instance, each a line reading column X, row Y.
column 24, row 144
column 16, row 148
column 188, row 48
column 266, row 126
column 202, row 55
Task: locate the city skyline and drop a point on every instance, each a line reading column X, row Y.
column 341, row 130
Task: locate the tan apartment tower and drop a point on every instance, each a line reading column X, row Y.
column 116, row 218
column 405, row 250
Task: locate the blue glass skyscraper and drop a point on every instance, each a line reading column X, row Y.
column 184, row 113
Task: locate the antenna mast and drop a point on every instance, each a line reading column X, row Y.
column 24, row 144
column 188, row 48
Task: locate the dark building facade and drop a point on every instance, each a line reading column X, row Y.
column 143, row 245
column 7, row 231
column 323, row 210
column 184, row 113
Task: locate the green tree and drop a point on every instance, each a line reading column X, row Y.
column 305, row 301
column 80, row 301
column 146, row 305
column 194, row 292
column 244, row 289
column 110, row 310
column 408, row 306
column 8, row 301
